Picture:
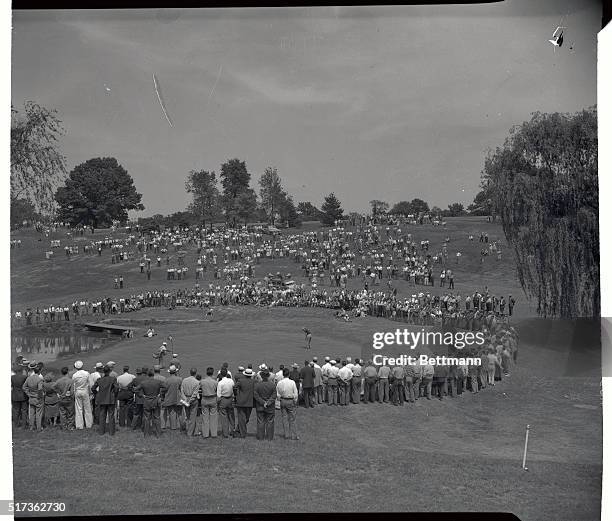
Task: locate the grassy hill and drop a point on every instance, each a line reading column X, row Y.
column 457, row 454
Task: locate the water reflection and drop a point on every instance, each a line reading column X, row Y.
column 46, row 348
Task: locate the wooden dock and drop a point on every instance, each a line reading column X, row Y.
column 111, row 328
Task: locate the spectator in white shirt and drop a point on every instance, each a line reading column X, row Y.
column 287, row 393
column 225, row 396
column 82, row 405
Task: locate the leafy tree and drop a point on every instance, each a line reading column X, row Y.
column 332, row 210
column 246, row 204
column 235, row 180
column 206, row 200
column 288, row 212
column 418, row 206
column 180, row 219
column 309, row 211
column 149, row 224
column 271, row 193
column 22, row 210
column 436, row 211
column 234, row 177
column 543, row 184
column 401, row 208
column 482, row 204
column 37, row 165
column 454, row 210
column 379, row 207
column 97, row 192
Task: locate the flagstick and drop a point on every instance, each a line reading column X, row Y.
column 525, row 451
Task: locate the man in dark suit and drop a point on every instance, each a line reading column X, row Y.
column 19, row 400
column 265, row 397
column 307, row 377
column 150, row 389
column 245, row 401
column 138, row 401
column 106, row 388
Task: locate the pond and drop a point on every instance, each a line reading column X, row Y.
column 55, row 346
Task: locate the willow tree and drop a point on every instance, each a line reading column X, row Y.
column 543, row 183
column 37, row 165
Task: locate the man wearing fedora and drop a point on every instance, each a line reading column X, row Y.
column 245, row 400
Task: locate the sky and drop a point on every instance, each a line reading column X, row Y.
column 387, row 103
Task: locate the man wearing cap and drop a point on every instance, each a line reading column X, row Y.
column 105, row 388
column 287, row 393
column 307, row 377
column 171, row 403
column 32, row 388
column 210, row 417
column 265, row 396
column 245, row 400
column 190, row 391
column 65, row 390
column 82, row 402
column 158, row 376
column 225, row 396
column 150, row 389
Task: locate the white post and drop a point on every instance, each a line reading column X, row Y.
column 525, row 451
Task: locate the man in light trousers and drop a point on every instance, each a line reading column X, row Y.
column 82, row 403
